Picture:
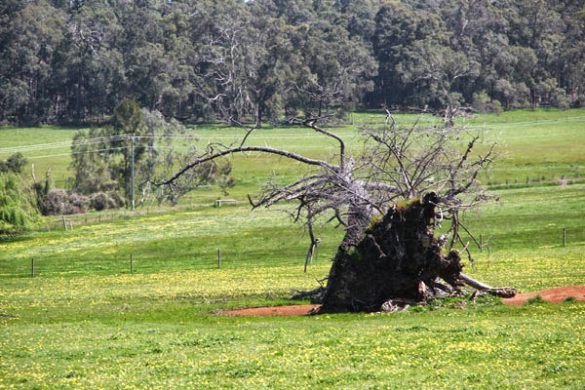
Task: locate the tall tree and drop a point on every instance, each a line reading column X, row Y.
column 29, row 38
column 90, row 70
column 341, row 67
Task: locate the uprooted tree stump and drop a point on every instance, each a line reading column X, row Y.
column 397, row 262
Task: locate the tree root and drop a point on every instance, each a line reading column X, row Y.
column 315, row 295
column 503, row 292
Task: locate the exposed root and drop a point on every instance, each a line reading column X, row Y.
column 503, row 292
column 315, row 295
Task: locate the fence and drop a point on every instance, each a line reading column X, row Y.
column 39, row 266
column 70, row 222
column 126, row 260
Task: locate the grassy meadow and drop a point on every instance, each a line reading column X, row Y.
column 86, row 321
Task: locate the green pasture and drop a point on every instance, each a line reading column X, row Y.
column 523, row 220
column 158, row 331
column 534, row 147
column 85, row 321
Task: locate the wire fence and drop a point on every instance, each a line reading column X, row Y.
column 70, row 222
column 130, row 259
column 127, row 262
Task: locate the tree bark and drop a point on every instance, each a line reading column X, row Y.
column 395, row 258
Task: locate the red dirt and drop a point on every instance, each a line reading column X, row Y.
column 554, row 295
column 291, row 310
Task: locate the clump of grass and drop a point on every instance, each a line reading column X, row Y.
column 450, row 302
column 536, row 300
column 570, row 300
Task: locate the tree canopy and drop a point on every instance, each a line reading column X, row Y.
column 74, row 61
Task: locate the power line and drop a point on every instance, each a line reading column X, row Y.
column 71, row 153
column 97, row 140
column 90, row 141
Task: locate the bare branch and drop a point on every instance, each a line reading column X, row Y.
column 284, row 153
column 312, row 123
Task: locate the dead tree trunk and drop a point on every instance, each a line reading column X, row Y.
column 397, row 258
column 397, row 262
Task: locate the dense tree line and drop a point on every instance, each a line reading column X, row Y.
column 73, row 61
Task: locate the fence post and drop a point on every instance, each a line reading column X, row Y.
column 32, row 267
column 218, row 258
column 64, row 222
column 564, row 236
column 131, row 263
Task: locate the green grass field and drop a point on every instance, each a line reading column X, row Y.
column 84, row 321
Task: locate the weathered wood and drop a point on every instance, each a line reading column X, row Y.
column 397, row 258
column 504, row 292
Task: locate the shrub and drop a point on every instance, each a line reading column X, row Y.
column 14, row 163
column 106, row 200
column 483, row 103
column 59, row 202
column 536, row 300
column 17, row 210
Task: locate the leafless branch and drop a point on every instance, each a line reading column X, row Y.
column 284, row 153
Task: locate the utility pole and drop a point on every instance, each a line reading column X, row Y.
column 132, row 173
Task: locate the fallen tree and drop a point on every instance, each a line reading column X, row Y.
column 389, row 201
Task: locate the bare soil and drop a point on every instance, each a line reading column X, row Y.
column 290, row 310
column 554, row 295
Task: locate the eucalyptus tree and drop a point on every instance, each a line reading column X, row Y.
column 140, row 148
column 570, row 64
column 104, row 159
column 358, row 17
column 90, row 68
column 29, row 38
column 338, row 67
column 396, row 31
column 165, row 141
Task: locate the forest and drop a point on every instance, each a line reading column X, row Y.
column 73, row 61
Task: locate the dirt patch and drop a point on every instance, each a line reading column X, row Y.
column 291, row 310
column 554, row 295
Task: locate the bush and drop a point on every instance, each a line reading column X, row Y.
column 62, row 202
column 79, row 201
column 102, row 201
column 14, row 163
column 560, row 99
column 483, row 103
column 17, row 210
